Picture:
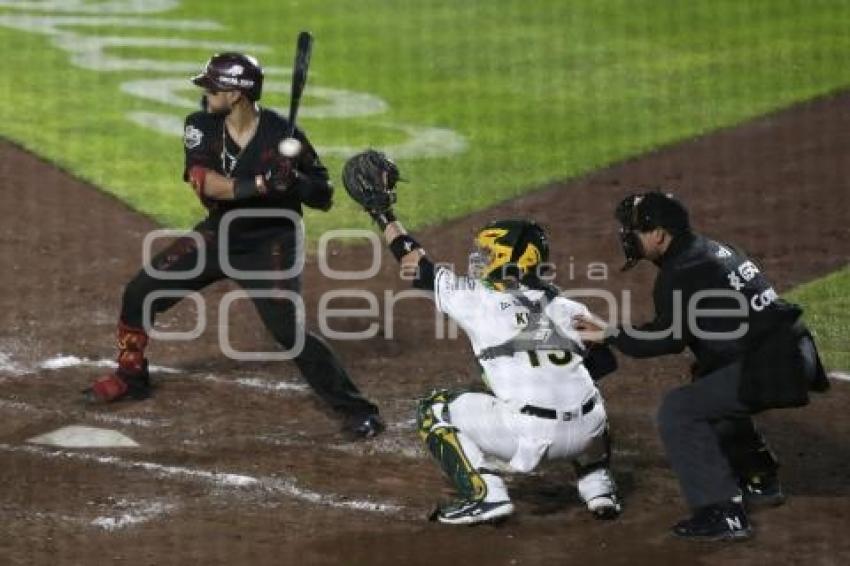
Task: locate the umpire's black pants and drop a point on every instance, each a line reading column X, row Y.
column 269, row 248
column 709, row 436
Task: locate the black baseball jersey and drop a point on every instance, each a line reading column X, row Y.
column 694, row 264
column 208, row 144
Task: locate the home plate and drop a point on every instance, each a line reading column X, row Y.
column 84, row 437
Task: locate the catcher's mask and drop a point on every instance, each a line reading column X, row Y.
column 644, row 212
column 508, row 249
column 232, row 71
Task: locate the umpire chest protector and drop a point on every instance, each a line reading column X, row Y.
column 769, row 328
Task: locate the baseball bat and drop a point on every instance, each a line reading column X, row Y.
column 303, row 49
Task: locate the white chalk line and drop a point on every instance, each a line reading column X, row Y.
column 63, row 361
column 8, row 365
column 384, row 444
column 257, row 383
column 82, row 415
column 66, row 361
column 387, row 443
column 840, row 375
column 102, row 417
column 133, row 513
column 126, row 514
column 284, row 486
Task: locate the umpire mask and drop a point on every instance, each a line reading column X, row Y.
column 644, row 212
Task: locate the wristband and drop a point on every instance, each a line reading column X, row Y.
column 403, row 245
column 247, row 187
column 383, row 219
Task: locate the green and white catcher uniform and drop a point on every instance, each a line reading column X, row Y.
column 543, row 402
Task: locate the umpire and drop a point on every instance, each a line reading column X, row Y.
column 758, row 358
column 234, row 166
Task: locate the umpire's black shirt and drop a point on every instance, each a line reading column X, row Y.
column 694, row 264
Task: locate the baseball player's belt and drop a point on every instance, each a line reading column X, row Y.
column 544, row 413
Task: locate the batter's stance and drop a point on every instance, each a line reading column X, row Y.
column 541, row 402
column 233, row 164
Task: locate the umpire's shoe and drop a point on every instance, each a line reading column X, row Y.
column 468, row 512
column 721, row 521
column 762, row 491
column 366, row 427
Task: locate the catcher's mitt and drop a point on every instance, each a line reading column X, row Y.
column 370, row 178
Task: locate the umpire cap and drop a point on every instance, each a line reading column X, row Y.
column 651, row 210
column 232, row 71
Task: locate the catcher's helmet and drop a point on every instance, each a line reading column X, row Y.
column 511, row 248
column 643, row 212
column 232, row 71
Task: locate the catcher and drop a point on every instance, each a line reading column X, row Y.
column 542, row 403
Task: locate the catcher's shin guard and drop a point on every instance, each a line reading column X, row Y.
column 595, row 484
column 444, row 443
column 131, row 379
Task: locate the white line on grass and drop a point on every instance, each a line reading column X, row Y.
column 283, row 486
column 840, row 375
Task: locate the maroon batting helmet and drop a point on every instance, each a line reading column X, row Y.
column 232, row 71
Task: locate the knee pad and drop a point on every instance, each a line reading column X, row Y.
column 443, row 442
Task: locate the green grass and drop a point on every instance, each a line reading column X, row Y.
column 541, row 91
column 827, row 312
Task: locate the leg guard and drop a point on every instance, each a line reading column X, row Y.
column 458, row 457
column 131, row 342
column 596, row 485
column 131, row 379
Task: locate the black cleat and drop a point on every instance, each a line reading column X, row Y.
column 367, row 427
column 721, row 521
column 762, row 491
column 467, row 512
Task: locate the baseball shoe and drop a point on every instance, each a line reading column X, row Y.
column 116, row 387
column 466, row 512
column 762, row 491
column 367, row 427
column 721, row 521
column 605, row 507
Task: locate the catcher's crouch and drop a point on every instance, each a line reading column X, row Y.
column 542, row 403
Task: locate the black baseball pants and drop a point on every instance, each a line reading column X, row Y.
column 263, row 249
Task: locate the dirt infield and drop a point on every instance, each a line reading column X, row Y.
column 239, row 465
